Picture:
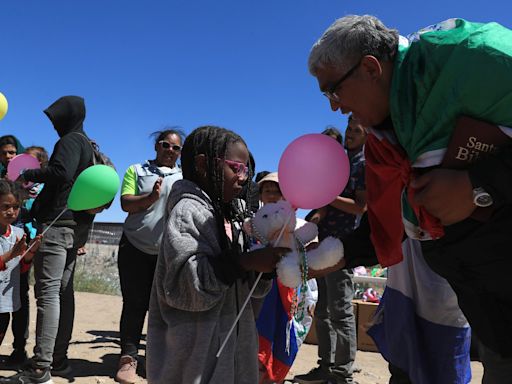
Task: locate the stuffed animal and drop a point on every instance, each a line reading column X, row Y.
column 275, row 224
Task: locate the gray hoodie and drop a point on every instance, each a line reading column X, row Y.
column 195, row 299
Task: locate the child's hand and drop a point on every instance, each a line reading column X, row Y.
column 263, row 259
column 19, row 247
column 35, row 243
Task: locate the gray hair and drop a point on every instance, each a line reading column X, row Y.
column 350, row 38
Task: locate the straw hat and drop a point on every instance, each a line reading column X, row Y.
column 270, row 177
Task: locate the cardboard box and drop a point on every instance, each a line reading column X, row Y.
column 365, row 312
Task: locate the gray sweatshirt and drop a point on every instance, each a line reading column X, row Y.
column 195, row 298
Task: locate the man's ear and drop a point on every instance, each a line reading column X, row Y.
column 200, row 164
column 372, row 67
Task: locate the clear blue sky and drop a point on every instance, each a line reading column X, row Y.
column 141, row 65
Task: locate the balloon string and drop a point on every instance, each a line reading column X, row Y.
column 46, row 229
column 251, row 291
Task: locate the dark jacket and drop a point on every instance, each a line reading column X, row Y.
column 71, row 155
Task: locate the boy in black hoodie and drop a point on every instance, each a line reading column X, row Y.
column 54, row 263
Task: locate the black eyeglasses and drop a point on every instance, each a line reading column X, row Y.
column 331, row 93
column 167, row 145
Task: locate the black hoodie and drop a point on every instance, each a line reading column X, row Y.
column 71, row 155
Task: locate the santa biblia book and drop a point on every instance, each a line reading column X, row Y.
column 471, row 140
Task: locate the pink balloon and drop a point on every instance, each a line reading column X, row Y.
column 313, row 170
column 20, row 163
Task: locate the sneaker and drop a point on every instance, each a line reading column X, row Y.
column 16, row 359
column 318, row 375
column 62, row 369
column 127, row 372
column 29, row 376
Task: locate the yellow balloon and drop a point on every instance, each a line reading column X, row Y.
column 3, row 106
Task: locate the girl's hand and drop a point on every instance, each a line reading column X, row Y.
column 19, row 247
column 35, row 243
column 263, row 259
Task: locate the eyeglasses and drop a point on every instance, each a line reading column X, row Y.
column 167, row 145
column 240, row 169
column 331, row 93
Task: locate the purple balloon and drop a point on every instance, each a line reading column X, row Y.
column 313, row 170
column 20, row 163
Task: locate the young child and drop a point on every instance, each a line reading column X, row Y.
column 20, row 318
column 204, row 273
column 12, row 245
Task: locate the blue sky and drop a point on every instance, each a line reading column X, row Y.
column 143, row 65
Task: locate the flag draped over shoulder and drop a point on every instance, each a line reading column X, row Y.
column 444, row 71
column 419, row 327
column 388, row 172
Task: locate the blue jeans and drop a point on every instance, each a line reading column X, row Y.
column 54, row 267
column 336, row 325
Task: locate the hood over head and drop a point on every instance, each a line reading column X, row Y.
column 67, row 114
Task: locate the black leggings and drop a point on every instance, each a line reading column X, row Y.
column 136, row 271
column 20, row 318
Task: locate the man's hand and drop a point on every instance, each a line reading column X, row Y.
column 446, row 194
column 262, row 259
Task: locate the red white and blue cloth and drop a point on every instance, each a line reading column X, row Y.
column 282, row 329
column 418, row 326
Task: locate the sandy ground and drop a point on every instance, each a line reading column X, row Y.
column 94, row 349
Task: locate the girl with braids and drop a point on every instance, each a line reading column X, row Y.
column 204, row 272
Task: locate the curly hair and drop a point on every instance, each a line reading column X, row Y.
column 8, row 187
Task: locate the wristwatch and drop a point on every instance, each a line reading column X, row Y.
column 481, row 198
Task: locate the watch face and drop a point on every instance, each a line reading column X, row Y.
column 483, row 200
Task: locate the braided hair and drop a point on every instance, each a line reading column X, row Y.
column 213, row 142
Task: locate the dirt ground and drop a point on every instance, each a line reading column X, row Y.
column 95, row 347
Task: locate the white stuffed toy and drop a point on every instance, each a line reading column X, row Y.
column 267, row 227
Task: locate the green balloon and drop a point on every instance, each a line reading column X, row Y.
column 93, row 188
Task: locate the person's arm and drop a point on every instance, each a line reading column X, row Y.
column 132, row 202
column 18, row 249
column 357, row 249
column 196, row 273
column 494, row 174
column 63, row 163
column 355, row 206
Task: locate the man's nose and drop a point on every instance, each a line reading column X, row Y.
column 334, row 105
